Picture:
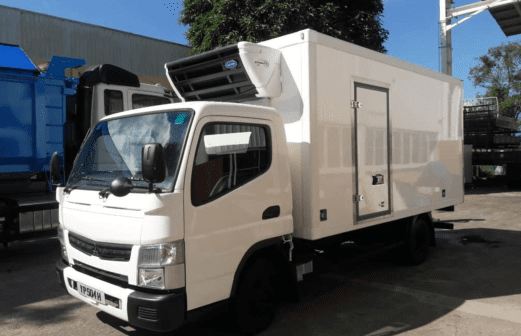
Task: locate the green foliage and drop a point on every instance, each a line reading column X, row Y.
column 486, row 170
column 215, row 23
column 499, row 72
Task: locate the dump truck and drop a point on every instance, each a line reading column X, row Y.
column 493, row 137
column 47, row 112
column 278, row 150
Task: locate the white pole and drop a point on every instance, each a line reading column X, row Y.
column 445, row 39
column 447, row 13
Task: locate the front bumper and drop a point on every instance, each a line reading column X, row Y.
column 158, row 312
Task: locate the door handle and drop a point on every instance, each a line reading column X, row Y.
column 271, row 212
column 378, row 179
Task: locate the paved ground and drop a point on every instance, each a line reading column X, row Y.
column 470, row 285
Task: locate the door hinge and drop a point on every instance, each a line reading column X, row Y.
column 358, row 198
column 355, row 104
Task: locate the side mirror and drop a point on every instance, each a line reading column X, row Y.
column 153, row 164
column 121, row 186
column 55, row 169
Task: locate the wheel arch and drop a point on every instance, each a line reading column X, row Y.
column 274, row 250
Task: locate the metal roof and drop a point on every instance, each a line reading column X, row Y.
column 508, row 17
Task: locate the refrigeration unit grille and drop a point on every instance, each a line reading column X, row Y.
column 217, row 75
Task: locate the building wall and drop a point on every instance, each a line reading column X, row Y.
column 42, row 36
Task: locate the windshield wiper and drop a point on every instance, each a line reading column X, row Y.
column 104, row 193
column 68, row 189
column 88, row 178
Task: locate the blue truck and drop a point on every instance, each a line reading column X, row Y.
column 46, row 112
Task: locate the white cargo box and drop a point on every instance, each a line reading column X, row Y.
column 371, row 138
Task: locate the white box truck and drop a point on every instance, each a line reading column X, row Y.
column 279, row 149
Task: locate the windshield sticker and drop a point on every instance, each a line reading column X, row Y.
column 180, row 119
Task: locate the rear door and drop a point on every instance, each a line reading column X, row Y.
column 372, row 151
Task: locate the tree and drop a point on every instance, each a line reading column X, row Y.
column 216, row 23
column 499, row 72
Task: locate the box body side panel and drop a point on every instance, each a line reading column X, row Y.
column 294, row 108
column 333, row 145
column 425, row 136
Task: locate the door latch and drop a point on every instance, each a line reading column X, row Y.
column 355, row 104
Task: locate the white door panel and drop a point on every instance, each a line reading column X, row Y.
column 372, row 147
column 223, row 210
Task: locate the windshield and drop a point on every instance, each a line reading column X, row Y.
column 113, row 149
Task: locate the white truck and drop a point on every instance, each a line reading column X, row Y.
column 279, row 149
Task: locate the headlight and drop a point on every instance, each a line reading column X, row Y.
column 162, row 254
column 153, row 257
column 61, row 238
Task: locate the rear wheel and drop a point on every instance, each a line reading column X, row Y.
column 513, row 184
column 513, row 176
column 418, row 242
column 254, row 304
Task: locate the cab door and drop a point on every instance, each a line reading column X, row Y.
column 232, row 200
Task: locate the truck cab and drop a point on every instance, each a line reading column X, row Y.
column 109, row 97
column 134, row 244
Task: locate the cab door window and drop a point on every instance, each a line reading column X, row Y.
column 228, row 156
column 113, row 101
column 141, row 100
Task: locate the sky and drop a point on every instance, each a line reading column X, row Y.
column 412, row 24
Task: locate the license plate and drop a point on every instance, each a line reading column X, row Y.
column 92, row 293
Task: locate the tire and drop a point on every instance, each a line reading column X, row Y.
column 253, row 307
column 513, row 184
column 418, row 242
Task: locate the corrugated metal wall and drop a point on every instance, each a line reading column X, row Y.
column 42, row 36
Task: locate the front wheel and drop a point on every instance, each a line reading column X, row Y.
column 253, row 306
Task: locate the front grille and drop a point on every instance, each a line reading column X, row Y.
column 205, row 76
column 107, row 276
column 105, row 251
column 149, row 314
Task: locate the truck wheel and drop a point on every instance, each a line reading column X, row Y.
column 513, row 184
column 253, row 306
column 418, row 242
